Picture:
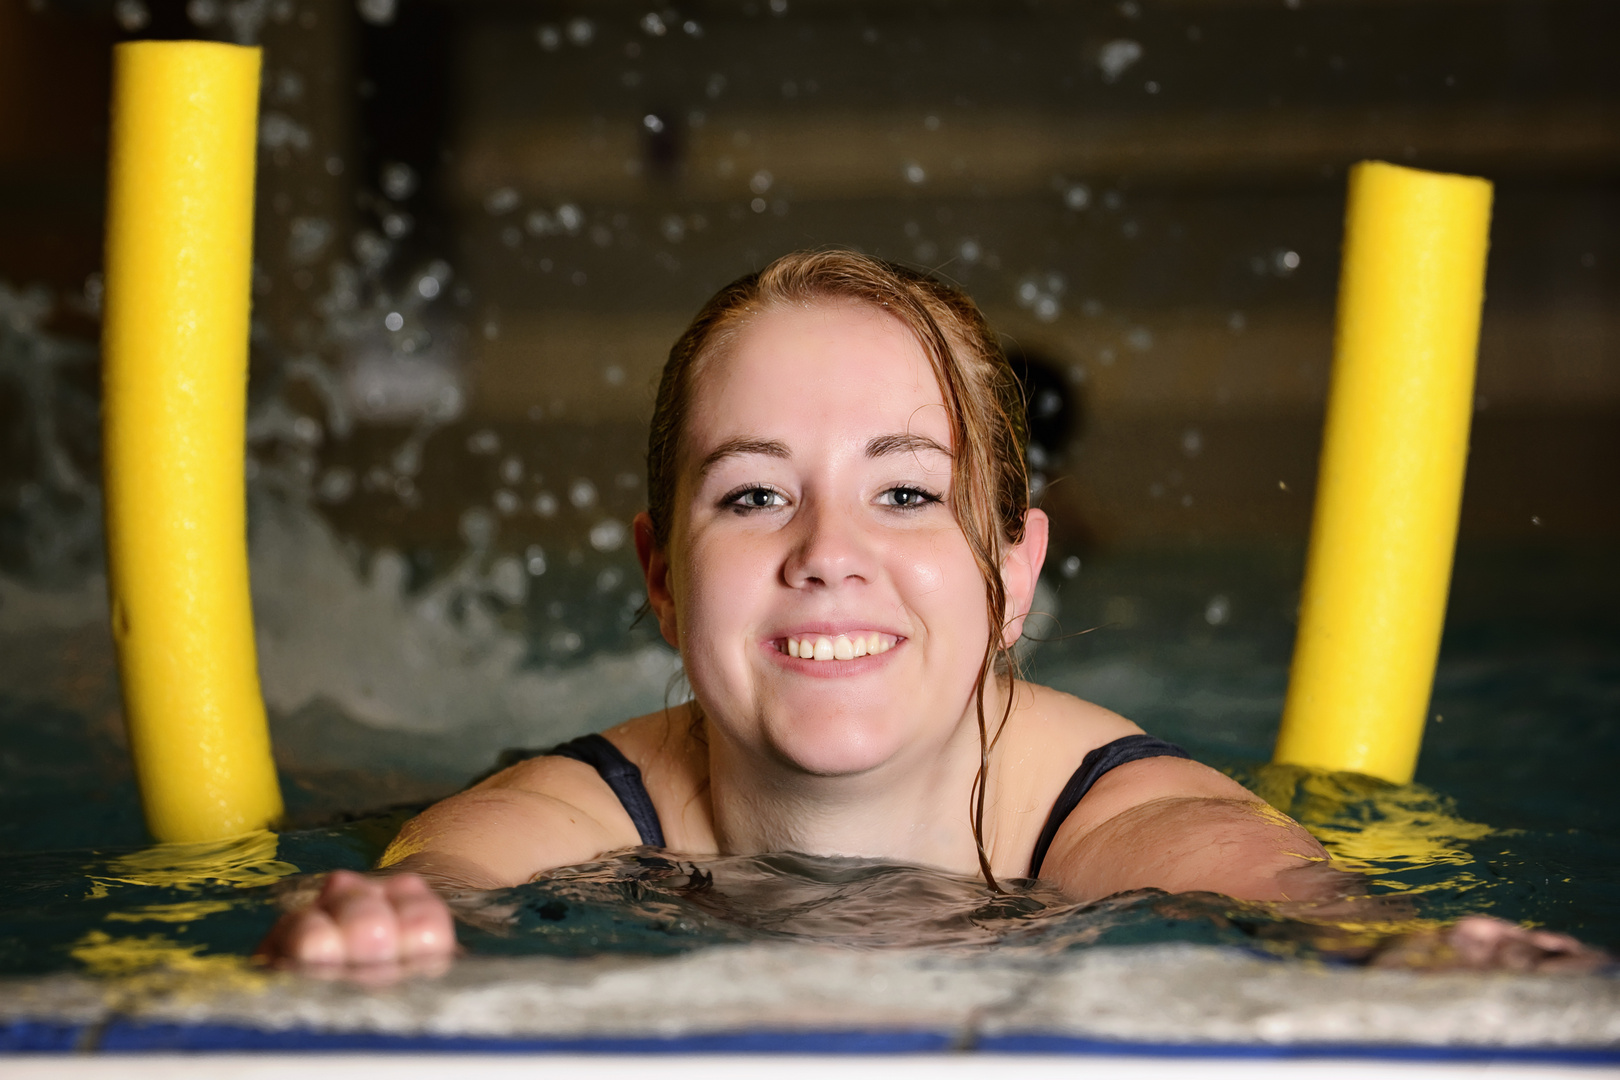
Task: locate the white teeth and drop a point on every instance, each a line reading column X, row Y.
column 842, row 647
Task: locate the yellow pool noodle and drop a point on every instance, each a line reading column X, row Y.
column 1389, row 484
column 175, row 350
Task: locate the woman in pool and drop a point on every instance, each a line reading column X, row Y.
column 839, row 542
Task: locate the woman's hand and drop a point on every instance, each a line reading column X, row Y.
column 1484, row 943
column 358, row 920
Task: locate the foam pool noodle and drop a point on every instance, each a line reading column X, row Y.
column 175, row 352
column 1389, row 484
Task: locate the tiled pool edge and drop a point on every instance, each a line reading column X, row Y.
column 1174, row 1000
column 122, row 1038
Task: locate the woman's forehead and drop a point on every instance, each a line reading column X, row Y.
column 814, row 372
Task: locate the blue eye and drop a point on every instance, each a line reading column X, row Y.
column 908, row 498
column 754, row 498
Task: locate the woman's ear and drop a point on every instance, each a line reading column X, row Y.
column 1021, row 571
column 655, row 570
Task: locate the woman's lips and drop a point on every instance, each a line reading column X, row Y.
column 849, row 645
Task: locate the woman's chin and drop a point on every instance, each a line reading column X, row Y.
column 836, row 748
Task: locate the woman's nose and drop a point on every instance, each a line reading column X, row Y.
column 829, row 548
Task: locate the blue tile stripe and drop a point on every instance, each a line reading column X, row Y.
column 128, row 1036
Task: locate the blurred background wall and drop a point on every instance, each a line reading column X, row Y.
column 482, row 223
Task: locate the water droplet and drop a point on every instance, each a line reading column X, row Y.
column 376, row 12
column 582, row 493
column 534, row 559
column 1192, row 442
column 652, row 24
column 203, row 12
column 501, row 201
column 915, row 174
column 132, row 15
column 1116, row 56
column 398, row 181
column 371, row 250
column 336, row 485
column 1218, row 610
column 970, row 251
column 483, row 441
column 509, row 580
column 545, row 504
column 394, row 320
column 607, row 535
column 1139, row 338
column 1077, row 197
column 581, row 30
column 477, row 527
column 549, row 37
column 397, row 225
column 653, row 123
column 571, row 218
column 1070, row 566
column 307, row 430
column 307, row 238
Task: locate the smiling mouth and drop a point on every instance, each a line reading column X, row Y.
column 841, row 647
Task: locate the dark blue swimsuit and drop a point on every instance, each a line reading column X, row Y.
column 624, row 778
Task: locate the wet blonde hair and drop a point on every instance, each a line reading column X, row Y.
column 983, row 401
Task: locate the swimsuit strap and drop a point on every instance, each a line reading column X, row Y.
column 1100, row 761
column 622, row 776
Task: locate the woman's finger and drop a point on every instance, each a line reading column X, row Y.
column 368, row 924
column 425, row 927
column 310, row 937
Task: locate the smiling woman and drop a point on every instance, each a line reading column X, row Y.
column 839, row 543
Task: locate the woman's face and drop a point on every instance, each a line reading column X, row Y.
column 812, row 516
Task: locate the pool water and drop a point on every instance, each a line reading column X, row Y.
column 1514, row 812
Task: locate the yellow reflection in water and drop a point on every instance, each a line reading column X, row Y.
column 144, row 966
column 1376, row 827
column 243, row 861
column 171, row 913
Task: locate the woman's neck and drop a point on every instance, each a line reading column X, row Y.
column 912, row 808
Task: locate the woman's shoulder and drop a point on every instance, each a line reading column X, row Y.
column 669, row 749
column 1063, row 722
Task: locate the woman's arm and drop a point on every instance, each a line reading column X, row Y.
column 1176, row 825
column 536, row 816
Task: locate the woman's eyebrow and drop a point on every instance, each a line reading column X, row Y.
column 905, row 443
column 740, row 446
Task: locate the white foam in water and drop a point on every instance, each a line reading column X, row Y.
column 434, row 662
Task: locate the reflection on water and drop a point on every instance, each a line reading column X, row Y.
column 212, row 906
